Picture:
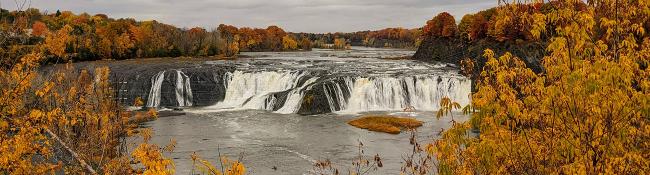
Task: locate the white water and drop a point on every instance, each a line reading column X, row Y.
column 183, row 89
column 294, row 98
column 154, row 93
column 338, row 94
column 252, row 90
column 279, row 81
column 395, row 94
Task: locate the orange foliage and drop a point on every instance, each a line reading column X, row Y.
column 273, row 38
column 442, row 25
column 475, row 26
column 39, row 28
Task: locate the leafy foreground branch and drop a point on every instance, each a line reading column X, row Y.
column 587, row 113
column 67, row 121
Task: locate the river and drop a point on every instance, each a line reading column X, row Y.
column 282, row 111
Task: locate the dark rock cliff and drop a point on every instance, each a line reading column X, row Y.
column 452, row 50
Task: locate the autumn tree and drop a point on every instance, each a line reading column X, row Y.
column 57, row 43
column 231, row 36
column 475, row 26
column 478, row 26
column 517, row 22
column 305, row 44
column 288, row 43
column 39, row 28
column 442, row 25
column 587, row 113
column 464, row 26
column 274, row 38
column 196, row 38
column 340, row 43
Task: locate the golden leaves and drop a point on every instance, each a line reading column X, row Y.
column 57, row 42
column 153, row 161
column 446, row 106
column 230, row 167
column 539, row 25
column 586, row 114
column 138, row 102
column 289, row 43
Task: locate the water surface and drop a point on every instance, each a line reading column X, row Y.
column 256, row 117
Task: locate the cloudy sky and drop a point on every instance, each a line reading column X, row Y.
column 292, row 15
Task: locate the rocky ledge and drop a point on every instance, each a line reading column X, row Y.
column 452, row 50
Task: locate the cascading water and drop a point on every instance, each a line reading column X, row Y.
column 294, row 98
column 393, row 94
column 309, row 86
column 183, row 89
column 154, row 93
column 254, row 90
column 338, row 94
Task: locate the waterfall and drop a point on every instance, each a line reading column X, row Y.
column 183, row 89
column 338, row 99
column 294, row 98
column 254, row 90
column 284, row 92
column 154, row 93
column 397, row 93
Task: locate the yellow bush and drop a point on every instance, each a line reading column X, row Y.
column 587, row 113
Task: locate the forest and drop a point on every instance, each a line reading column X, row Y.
column 586, row 112
column 94, row 37
column 384, row 38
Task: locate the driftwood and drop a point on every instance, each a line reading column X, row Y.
column 74, row 154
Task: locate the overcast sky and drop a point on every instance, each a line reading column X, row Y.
column 292, row 15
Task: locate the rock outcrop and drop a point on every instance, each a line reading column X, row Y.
column 453, row 50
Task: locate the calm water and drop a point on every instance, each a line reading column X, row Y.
column 287, row 141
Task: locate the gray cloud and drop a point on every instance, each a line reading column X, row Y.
column 292, row 15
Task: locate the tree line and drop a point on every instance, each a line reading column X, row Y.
column 88, row 37
column 388, row 38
